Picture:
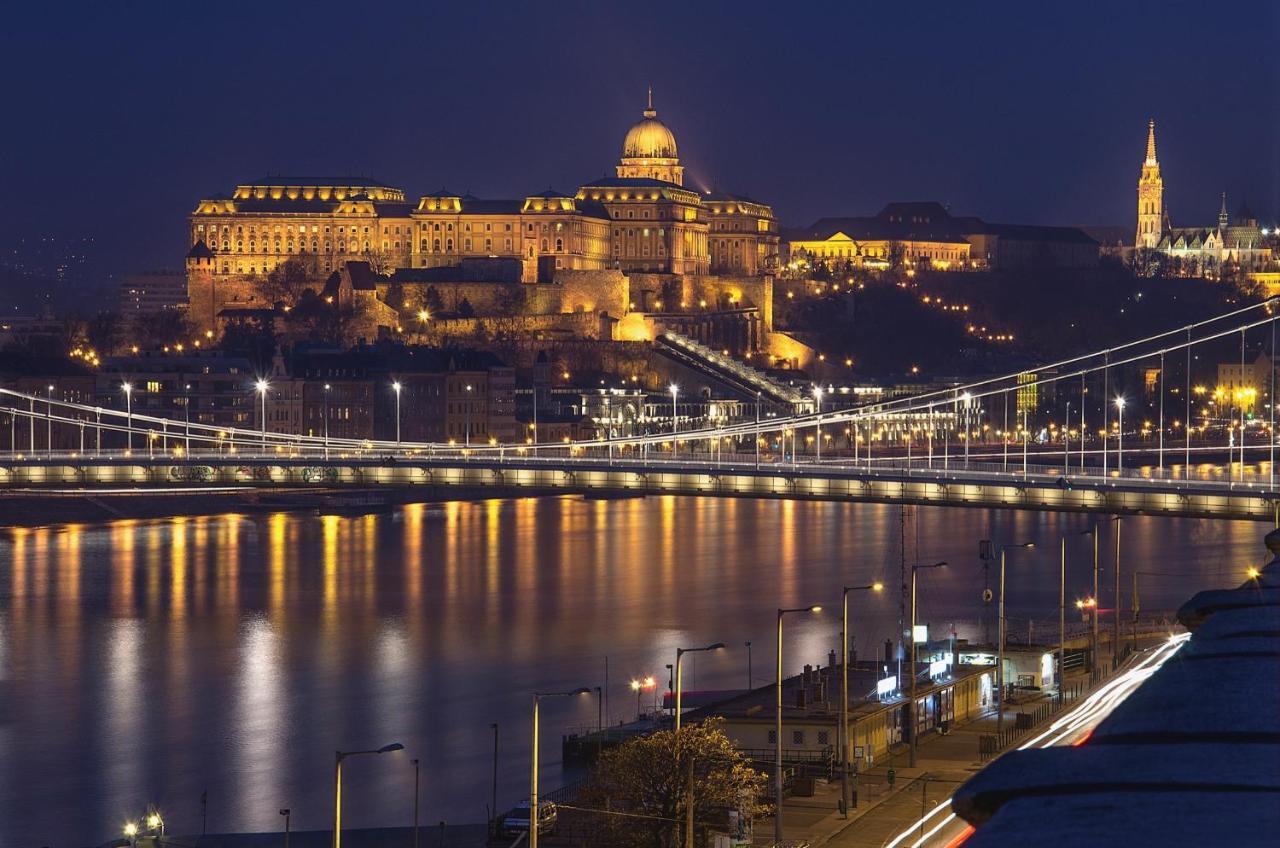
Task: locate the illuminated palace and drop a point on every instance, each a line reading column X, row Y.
column 641, row 221
column 1234, row 241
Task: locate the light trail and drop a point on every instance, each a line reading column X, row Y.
column 1077, row 722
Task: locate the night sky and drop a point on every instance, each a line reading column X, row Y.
column 121, row 116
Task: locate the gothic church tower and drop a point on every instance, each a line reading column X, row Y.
column 1150, row 196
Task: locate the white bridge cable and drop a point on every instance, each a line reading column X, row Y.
column 931, row 406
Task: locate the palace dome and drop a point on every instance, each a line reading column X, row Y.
column 650, row 138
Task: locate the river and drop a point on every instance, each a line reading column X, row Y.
column 150, row 662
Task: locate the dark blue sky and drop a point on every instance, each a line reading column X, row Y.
column 120, row 116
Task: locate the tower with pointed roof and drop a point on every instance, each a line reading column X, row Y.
column 1150, row 196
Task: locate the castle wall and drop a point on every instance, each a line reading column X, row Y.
column 594, row 291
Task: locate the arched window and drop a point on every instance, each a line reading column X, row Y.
column 435, row 245
column 559, row 245
column 544, row 245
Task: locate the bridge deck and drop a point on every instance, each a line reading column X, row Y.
column 1043, row 489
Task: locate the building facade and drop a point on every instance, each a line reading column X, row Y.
column 926, row 234
column 643, row 220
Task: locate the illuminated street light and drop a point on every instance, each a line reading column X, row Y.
column 1000, row 654
column 843, row 735
column 1120, row 446
column 128, row 402
column 674, row 418
column 680, row 652
column 533, row 780
column 915, row 720
column 395, row 386
column 339, row 756
column 777, row 727
column 817, row 397
column 262, row 386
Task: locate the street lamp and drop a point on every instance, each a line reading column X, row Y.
column 48, row 421
column 915, row 707
column 468, row 439
column 287, row 813
column 338, row 757
column 128, row 405
column 326, row 420
column 757, row 442
column 688, row 806
column 1062, row 603
column 777, row 724
column 262, row 386
column 533, row 780
column 395, row 386
column 680, row 652
column 638, row 686
column 674, row 419
column 1120, row 445
column 966, row 398
column 843, row 735
column 817, row 397
column 1000, row 653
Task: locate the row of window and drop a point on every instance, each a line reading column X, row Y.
column 798, row 737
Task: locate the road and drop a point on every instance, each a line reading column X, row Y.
column 920, row 816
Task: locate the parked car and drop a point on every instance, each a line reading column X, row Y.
column 517, row 820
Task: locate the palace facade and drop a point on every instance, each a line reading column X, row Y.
column 1234, row 241
column 643, row 220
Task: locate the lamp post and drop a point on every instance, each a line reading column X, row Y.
column 1062, row 605
column 1120, row 436
column 1115, row 642
column 777, row 723
column 915, row 707
column 395, row 387
column 128, row 405
column 493, row 796
column 186, row 418
column 688, row 804
column 1000, row 652
column 1066, row 441
column 843, row 735
column 680, row 652
column 638, row 686
column 966, row 398
column 416, row 794
column 817, row 422
column 533, row 780
column 757, row 442
column 48, row 421
column 468, row 439
column 675, row 420
column 339, row 756
column 262, row 386
column 287, row 813
column 326, row 420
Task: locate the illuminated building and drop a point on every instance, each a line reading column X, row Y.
column 926, row 234
column 642, row 220
column 1236, row 241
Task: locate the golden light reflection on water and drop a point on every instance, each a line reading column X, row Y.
column 182, row 653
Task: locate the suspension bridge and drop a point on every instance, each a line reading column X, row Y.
column 1076, row 434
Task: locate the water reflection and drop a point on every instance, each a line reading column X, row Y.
column 149, row 662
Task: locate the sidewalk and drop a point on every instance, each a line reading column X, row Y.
column 946, row 761
column 949, row 760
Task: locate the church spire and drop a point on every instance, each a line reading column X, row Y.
column 649, row 111
column 1223, row 218
column 1151, row 142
